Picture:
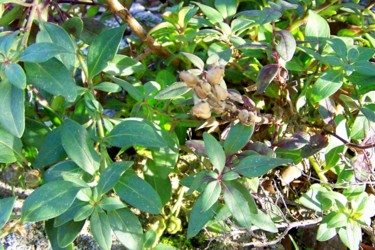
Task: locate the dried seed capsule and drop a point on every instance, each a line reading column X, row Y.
column 243, row 114
column 190, row 79
column 202, row 89
column 215, row 75
column 32, row 178
column 12, row 174
column 201, row 110
column 220, row 93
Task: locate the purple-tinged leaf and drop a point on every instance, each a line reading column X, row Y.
column 266, row 76
column 286, row 46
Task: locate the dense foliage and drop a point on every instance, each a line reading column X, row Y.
column 243, row 118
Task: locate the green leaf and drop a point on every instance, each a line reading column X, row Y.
column 231, row 175
column 127, row 228
column 286, row 46
column 227, row 8
column 213, row 15
column 162, row 185
column 310, row 198
column 238, row 136
column 12, row 108
column 101, row 229
column 51, row 150
column 214, row 152
column 70, row 213
column 108, row 87
column 57, row 172
column 237, row 205
column 339, row 47
column 337, row 220
column 266, row 76
column 79, row 147
column 84, row 212
column 324, row 233
column 103, row 49
column 194, row 59
column 68, row 232
column 138, row 193
column 122, row 65
column 41, row 52
column 52, row 33
column 111, row 203
column 257, row 165
column 326, row 85
column 52, row 236
column 246, row 194
column 6, row 207
column 74, row 26
column 49, row 201
column 133, row 91
column 369, row 114
column 210, row 195
column 197, row 218
column 10, row 147
column 263, row 221
column 351, row 235
column 365, row 68
column 15, row 75
column 173, row 91
column 53, row 77
column 136, row 131
column 317, row 28
column 111, row 175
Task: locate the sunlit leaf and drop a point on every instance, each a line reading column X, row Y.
column 286, row 46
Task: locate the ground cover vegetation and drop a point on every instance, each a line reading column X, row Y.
column 229, row 122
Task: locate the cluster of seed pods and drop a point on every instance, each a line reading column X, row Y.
column 212, row 96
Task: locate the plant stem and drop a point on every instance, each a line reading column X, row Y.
column 317, row 169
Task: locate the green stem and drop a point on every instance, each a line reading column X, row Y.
column 318, row 170
column 177, row 206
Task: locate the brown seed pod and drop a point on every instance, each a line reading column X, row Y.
column 12, row 174
column 215, row 75
column 243, row 114
column 190, row 79
column 202, row 89
column 201, row 110
column 220, row 93
column 32, row 178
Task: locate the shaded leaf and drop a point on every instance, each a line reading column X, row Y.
column 12, row 108
column 68, row 232
column 111, row 175
column 210, row 195
column 173, row 91
column 108, row 87
column 214, row 152
column 238, row 206
column 266, row 76
column 296, row 141
column 49, row 201
column 101, row 229
column 138, row 193
column 52, row 236
column 15, row 75
column 103, row 49
column 257, row 165
column 79, row 147
column 41, row 52
column 10, row 147
column 74, row 26
column 53, row 77
column 238, row 136
column 6, row 207
column 127, row 228
column 286, row 46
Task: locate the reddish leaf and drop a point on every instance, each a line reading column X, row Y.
column 266, row 76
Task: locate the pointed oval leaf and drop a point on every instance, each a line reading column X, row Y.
column 197, row 218
column 68, row 232
column 103, row 49
column 173, row 91
column 266, row 76
column 238, row 206
column 326, row 85
column 68, row 215
column 79, row 147
column 10, row 147
column 317, row 28
column 227, row 8
column 51, row 150
column 6, row 207
column 135, row 131
column 55, row 34
column 122, row 65
column 111, row 203
column 133, row 91
column 101, row 229
column 49, row 201
column 127, row 228
column 194, row 60
column 286, row 46
column 214, row 152
column 263, row 221
column 238, row 136
column 213, row 15
column 15, row 75
column 257, row 165
column 12, row 108
column 138, row 193
column 111, row 175
column 51, row 232
column 41, row 52
column 210, row 195
column 53, row 77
